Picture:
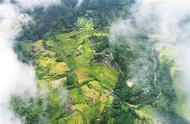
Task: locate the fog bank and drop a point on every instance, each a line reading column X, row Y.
column 165, row 22
column 16, row 78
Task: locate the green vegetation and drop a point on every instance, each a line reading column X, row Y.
column 66, row 62
column 84, row 79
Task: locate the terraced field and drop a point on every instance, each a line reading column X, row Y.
column 66, row 63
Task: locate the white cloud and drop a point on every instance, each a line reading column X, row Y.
column 171, row 19
column 164, row 21
column 163, row 17
column 31, row 4
column 79, row 2
column 16, row 77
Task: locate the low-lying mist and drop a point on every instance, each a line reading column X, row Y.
column 165, row 22
column 17, row 78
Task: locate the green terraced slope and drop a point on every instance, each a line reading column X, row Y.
column 83, row 77
column 66, row 63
